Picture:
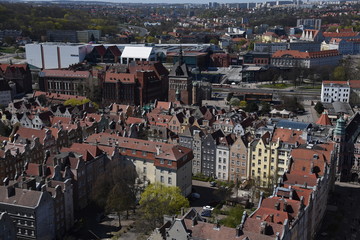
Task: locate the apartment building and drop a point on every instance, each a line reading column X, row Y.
column 335, row 91
column 154, row 161
column 268, row 155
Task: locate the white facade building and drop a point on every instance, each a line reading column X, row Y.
column 55, row 55
column 335, row 91
column 131, row 53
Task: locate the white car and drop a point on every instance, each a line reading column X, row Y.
column 208, row 208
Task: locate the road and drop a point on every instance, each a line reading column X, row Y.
column 303, row 94
column 140, row 30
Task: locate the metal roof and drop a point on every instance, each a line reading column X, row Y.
column 293, row 125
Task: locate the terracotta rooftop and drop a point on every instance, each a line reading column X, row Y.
column 288, row 136
column 122, row 77
column 203, row 230
column 324, row 120
column 57, row 96
column 64, row 73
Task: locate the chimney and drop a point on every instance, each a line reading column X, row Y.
column 239, row 230
column 10, row 191
column 40, row 169
column 291, row 195
column 277, row 206
column 263, row 227
column 217, row 225
column 271, row 217
column 6, row 181
column 285, row 206
column 194, row 221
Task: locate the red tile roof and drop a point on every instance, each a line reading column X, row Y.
column 122, row 77
column 288, row 136
column 324, row 120
column 65, row 73
column 300, row 178
column 302, row 55
column 57, row 96
column 29, row 133
column 354, row 83
column 340, row 34
column 88, row 151
column 204, row 230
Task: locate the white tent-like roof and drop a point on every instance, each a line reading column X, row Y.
column 137, row 52
column 284, row 112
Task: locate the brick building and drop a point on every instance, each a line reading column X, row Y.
column 180, row 83
column 19, row 74
column 145, row 83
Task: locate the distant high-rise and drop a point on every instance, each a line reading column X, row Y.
column 309, row 23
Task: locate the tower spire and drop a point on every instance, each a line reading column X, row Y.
column 181, row 60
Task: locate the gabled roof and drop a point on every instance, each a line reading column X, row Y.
column 100, row 49
column 114, row 50
column 324, row 120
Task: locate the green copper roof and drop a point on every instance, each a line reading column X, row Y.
column 340, row 126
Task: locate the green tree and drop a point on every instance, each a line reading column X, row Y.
column 158, row 200
column 116, row 190
column 265, row 108
column 243, row 104
column 252, row 107
column 319, row 107
column 214, row 41
column 234, row 101
column 234, row 217
column 229, row 96
column 339, row 74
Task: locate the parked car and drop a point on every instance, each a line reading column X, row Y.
column 206, row 213
column 208, row 208
column 195, row 195
column 213, row 184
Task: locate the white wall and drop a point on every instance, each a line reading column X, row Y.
column 33, row 55
column 50, row 56
column 71, row 55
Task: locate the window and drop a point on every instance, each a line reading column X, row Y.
column 169, row 162
column 169, row 180
column 281, row 161
column 162, row 179
column 144, row 170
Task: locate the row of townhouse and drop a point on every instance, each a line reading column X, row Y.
column 154, row 161
column 295, row 210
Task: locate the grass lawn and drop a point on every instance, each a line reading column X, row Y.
column 276, row 85
column 10, row 50
column 310, row 87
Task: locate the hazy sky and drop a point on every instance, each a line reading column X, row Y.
column 180, row 1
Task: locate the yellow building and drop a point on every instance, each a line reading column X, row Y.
column 268, row 155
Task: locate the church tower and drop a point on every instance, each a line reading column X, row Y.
column 342, row 166
column 180, row 82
